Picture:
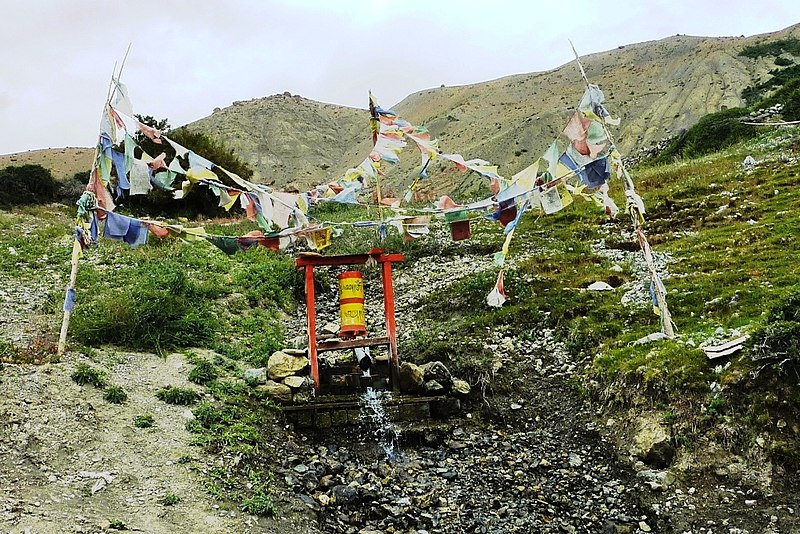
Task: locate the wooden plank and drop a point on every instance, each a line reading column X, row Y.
column 726, row 349
column 352, row 259
column 355, row 403
column 324, row 346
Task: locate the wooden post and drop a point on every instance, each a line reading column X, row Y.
column 311, row 312
column 76, row 247
column 73, row 275
column 391, row 328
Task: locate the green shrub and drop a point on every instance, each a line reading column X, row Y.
column 160, row 308
column 780, row 336
column 789, row 45
column 176, row 395
column 117, row 524
column 26, row 184
column 85, row 374
column 170, row 499
column 269, row 280
column 203, row 372
column 115, row 395
column 259, row 504
column 144, row 421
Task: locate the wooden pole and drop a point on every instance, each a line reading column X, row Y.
column 636, row 217
column 73, row 275
column 76, row 247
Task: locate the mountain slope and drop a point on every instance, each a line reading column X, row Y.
column 657, row 88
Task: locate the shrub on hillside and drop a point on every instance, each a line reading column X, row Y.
column 26, row 184
column 160, row 308
column 780, row 337
column 71, row 189
column 713, row 132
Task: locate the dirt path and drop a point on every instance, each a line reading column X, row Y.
column 72, row 462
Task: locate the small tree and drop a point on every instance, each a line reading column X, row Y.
column 26, row 184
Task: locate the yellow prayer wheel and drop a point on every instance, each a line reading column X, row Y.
column 351, row 305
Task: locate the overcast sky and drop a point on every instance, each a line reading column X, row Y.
column 189, row 56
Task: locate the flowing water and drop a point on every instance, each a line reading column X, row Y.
column 377, row 422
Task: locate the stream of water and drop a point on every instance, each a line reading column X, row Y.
column 377, row 422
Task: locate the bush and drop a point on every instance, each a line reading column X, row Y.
column 160, row 308
column 780, row 337
column 170, row 499
column 88, row 375
column 259, row 504
column 71, row 189
column 180, row 396
column 115, row 395
column 203, row 372
column 144, row 421
column 26, row 184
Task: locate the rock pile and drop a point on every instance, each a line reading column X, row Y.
column 285, row 379
column 551, row 474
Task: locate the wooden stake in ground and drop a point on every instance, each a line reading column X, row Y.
column 69, row 298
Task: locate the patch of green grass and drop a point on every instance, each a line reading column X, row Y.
column 115, row 395
column 260, row 503
column 177, row 395
column 84, row 374
column 117, row 524
column 203, row 372
column 144, row 421
column 170, row 499
column 666, row 368
column 160, row 307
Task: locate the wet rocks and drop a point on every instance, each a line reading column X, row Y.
column 480, row 479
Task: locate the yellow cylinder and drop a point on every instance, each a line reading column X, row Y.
column 351, row 305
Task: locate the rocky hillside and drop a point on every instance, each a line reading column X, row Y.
column 656, row 87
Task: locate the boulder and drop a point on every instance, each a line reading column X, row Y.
column 258, row 376
column 651, row 443
column 281, row 365
column 412, row 377
column 433, row 387
column 437, row 371
column 277, row 392
column 343, row 494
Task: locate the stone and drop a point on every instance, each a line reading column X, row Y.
column 295, row 382
column 281, row 365
column 433, row 387
column 277, row 392
column 412, row 377
column 599, row 286
column 461, row 387
column 303, row 396
column 437, row 371
column 258, row 375
column 295, row 352
column 343, row 494
column 651, row 443
column 330, row 329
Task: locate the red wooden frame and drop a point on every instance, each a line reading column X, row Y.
column 310, row 260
